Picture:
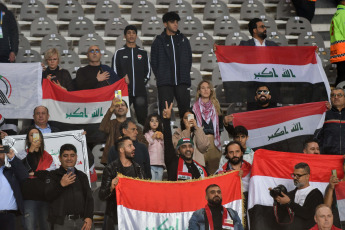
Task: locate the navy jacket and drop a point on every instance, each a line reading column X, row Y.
column 251, row 42
column 15, row 176
column 161, row 60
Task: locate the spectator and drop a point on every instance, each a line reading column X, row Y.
column 3, row 134
column 180, row 166
column 257, row 30
column 323, row 218
column 302, row 201
column 331, row 136
column 11, row 203
column 337, row 32
column 171, row 60
column 95, row 75
column 69, row 193
column 124, row 164
column 37, row 162
column 128, row 128
column 54, row 73
column 190, row 129
column 132, row 63
column 311, row 147
column 153, row 133
column 9, row 39
column 305, row 8
column 214, row 213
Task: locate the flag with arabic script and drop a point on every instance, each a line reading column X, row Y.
column 153, row 205
column 294, row 75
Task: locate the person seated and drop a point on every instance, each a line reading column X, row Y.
column 41, row 116
column 323, row 218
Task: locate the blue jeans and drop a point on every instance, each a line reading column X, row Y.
column 36, row 215
column 157, row 172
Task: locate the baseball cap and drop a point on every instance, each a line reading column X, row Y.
column 184, row 141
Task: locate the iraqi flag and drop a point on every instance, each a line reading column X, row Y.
column 272, row 168
column 294, row 75
column 169, row 205
column 283, row 128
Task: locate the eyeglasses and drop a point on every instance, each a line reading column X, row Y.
column 297, row 175
column 52, row 59
column 94, row 51
column 337, row 95
column 266, row 92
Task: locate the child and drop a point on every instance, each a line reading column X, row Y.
column 154, row 136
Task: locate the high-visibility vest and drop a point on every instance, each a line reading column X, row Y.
column 337, row 32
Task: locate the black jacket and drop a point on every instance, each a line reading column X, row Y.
column 10, row 41
column 109, row 173
column 251, row 42
column 161, row 60
column 331, row 137
column 135, row 63
column 62, row 76
column 55, row 194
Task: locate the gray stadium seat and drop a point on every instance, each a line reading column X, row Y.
column 269, row 22
column 53, row 41
column 16, row 1
column 203, row 2
column 106, row 57
column 285, row 10
column 297, row 25
column 220, row 94
column 236, row 1
column 24, row 43
column 151, row 26
column 152, row 94
column 192, row 91
column 252, row 9
column 53, row 2
column 28, row 56
column 208, row 61
column 91, row 2
column 216, row 77
column 164, row 2
column 90, row 39
column 201, row 42
column 115, row 27
column 272, row 1
column 80, row 26
column 128, row 2
column 70, row 61
column 42, row 26
column 120, row 42
column 183, row 8
column 324, row 56
column 215, row 9
column 310, row 39
column 195, row 76
column 190, row 25
column 277, row 37
column 331, row 72
column 106, row 9
column 69, row 9
column 225, row 25
column 142, row 9
column 31, row 10
column 97, row 152
column 234, row 38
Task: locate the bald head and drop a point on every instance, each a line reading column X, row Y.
column 94, row 55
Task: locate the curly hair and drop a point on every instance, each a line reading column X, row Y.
column 147, row 126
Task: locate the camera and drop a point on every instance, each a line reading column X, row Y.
column 277, row 191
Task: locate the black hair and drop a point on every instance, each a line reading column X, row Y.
column 233, row 143
column 306, row 142
column 189, row 110
column 252, row 25
column 147, row 123
column 211, row 186
column 119, row 143
column 130, row 27
column 67, row 147
column 28, row 143
column 304, row 166
column 257, row 88
column 171, row 16
column 240, row 130
column 124, row 125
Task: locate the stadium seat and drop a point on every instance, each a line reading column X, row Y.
column 128, row 2
column 97, row 152
column 24, row 43
column 152, row 94
column 277, row 37
column 142, row 9
column 220, row 94
column 120, row 42
column 69, row 9
column 17, row 1
column 192, row 91
column 42, row 26
column 234, row 38
column 297, row 25
column 236, row 1
column 30, row 10
column 208, row 61
column 70, row 61
column 164, row 2
column 28, row 56
column 225, row 25
column 272, row 1
column 106, row 57
column 252, row 9
column 53, row 2
column 310, row 39
column 53, row 41
column 324, row 56
column 285, row 10
column 331, row 72
column 216, row 77
column 203, row 2
column 201, row 42
column 269, row 22
column 190, row 25
column 215, row 9
column 91, row 2
column 195, row 76
column 152, row 26
column 106, row 9
column 80, row 26
column 90, row 39
column 115, row 27
column 183, row 8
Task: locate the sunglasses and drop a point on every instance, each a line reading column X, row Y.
column 94, row 51
column 337, row 95
column 266, row 92
column 297, row 175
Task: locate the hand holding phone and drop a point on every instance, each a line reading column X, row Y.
column 35, row 137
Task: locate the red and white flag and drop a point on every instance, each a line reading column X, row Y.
column 80, row 107
column 169, row 205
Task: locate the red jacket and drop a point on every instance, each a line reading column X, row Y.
column 317, row 228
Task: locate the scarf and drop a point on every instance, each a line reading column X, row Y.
column 207, row 111
column 227, row 222
column 246, row 167
column 45, row 161
column 182, row 170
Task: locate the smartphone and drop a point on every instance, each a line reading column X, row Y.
column 334, row 173
column 5, row 149
column 36, row 137
column 70, row 169
column 118, row 94
column 190, row 117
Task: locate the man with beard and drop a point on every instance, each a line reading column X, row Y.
column 214, row 215
column 124, row 165
column 299, row 205
column 180, row 166
column 259, row 33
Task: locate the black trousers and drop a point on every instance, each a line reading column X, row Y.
column 340, row 72
column 140, row 108
column 7, row 221
column 181, row 94
column 305, row 8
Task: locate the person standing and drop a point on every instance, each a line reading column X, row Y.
column 9, row 39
